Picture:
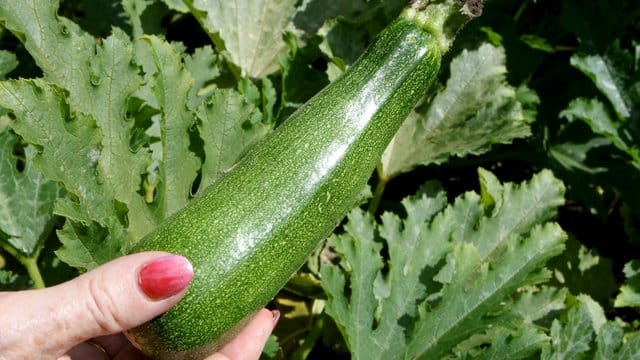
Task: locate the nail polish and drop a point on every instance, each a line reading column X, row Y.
column 165, row 276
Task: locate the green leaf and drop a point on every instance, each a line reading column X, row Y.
column 594, row 113
column 228, row 126
column 521, row 207
column 572, row 338
column 447, row 271
column 10, row 281
column 609, row 341
column 476, row 110
column 68, row 151
column 630, row 291
column 57, row 45
column 586, row 333
column 204, row 66
column 170, row 86
column 614, row 75
column 250, row 31
column 631, row 348
column 583, row 271
column 177, row 5
column 115, row 124
column 134, row 9
column 8, row 62
column 300, row 80
column 88, row 244
column 99, row 16
column 575, row 156
column 611, row 345
column 99, row 79
column 478, row 286
column 26, row 199
column 537, row 42
column 534, row 305
column 368, row 15
column 313, row 13
column 361, row 259
column 345, row 40
column 271, row 348
column 505, row 344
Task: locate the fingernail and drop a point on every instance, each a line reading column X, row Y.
column 165, row 276
column 276, row 317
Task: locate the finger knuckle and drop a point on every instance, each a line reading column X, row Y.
column 102, row 307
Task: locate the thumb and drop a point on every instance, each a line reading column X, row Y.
column 116, row 296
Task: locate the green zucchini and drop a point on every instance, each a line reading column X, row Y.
column 253, row 228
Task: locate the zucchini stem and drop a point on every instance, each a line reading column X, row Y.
column 442, row 18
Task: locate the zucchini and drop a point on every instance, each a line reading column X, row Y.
column 252, row 229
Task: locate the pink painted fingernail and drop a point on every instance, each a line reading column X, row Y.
column 276, row 317
column 165, row 276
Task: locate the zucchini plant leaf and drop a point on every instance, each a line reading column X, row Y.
column 175, row 166
column 204, row 66
column 67, row 146
column 133, row 10
column 582, row 271
column 584, row 331
column 250, row 31
column 26, row 198
column 475, row 110
column 630, row 290
column 8, row 62
column 449, row 272
column 504, row 344
column 571, row 338
column 114, row 122
column 99, row 15
column 313, row 14
column 10, row 281
column 611, row 343
column 228, row 126
column 99, row 79
column 595, row 114
column 617, row 76
column 177, row 5
column 614, row 74
column 271, row 348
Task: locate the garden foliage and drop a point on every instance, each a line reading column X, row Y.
column 504, row 221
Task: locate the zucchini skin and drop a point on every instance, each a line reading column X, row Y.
column 252, row 229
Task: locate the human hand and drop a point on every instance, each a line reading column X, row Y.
column 84, row 318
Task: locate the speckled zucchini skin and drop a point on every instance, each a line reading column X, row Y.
column 252, row 229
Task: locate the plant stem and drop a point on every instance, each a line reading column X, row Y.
column 31, row 263
column 442, row 18
column 311, row 339
column 383, row 180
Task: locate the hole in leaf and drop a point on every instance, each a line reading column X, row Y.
column 122, row 212
column 64, row 30
column 138, row 139
column 19, row 156
column 195, row 186
column 320, row 64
